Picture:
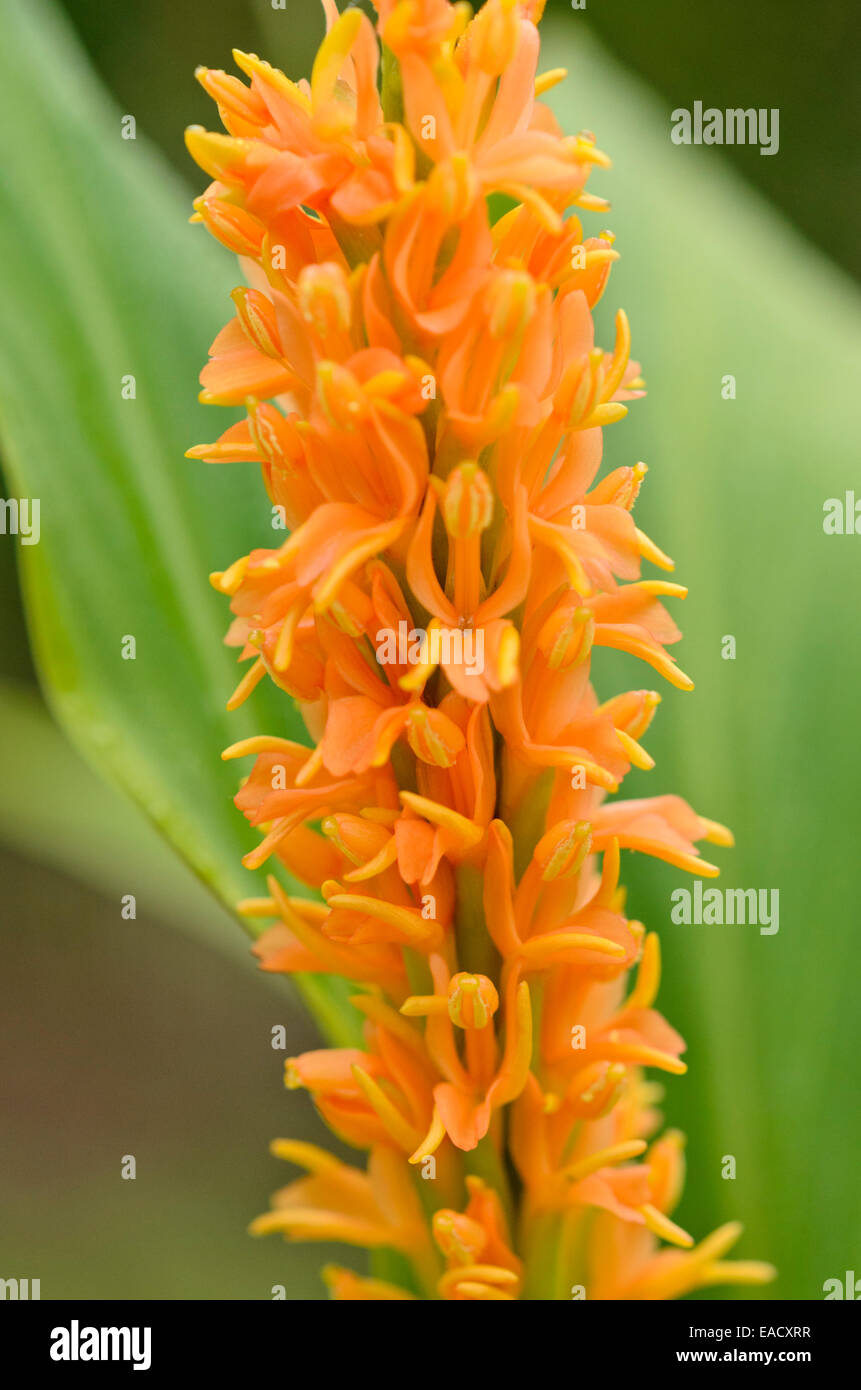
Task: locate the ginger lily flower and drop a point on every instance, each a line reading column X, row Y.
column 424, row 396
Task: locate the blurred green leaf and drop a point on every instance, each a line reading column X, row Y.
column 52, row 805
column 715, row 283
column 102, row 278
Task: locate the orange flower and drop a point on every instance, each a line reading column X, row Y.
column 425, row 399
column 481, row 1265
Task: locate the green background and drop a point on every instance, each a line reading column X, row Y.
column 152, row 1036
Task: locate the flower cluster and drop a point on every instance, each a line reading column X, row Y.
column 415, row 354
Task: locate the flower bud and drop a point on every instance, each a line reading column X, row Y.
column 360, row 840
column 561, row 852
column 341, row 397
column 232, row 226
column 242, row 104
column 452, row 187
column 324, row 298
column 273, row 436
column 433, row 737
column 467, row 504
column 472, row 1000
column 633, row 711
column 566, row 637
column 621, row 487
column 257, row 316
column 496, row 31
column 459, row 1237
column 510, row 301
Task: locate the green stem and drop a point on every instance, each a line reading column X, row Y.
column 476, row 952
column 485, row 1162
column 392, row 94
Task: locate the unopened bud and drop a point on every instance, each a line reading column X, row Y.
column 433, row 737
column 467, row 504
column 459, row 1237
column 227, row 159
column 340, row 395
column 621, row 487
column 358, row 839
column 235, row 99
column 472, row 1000
column 324, row 298
column 510, row 301
column 274, row 437
column 562, row 851
column 632, row 712
column 452, row 187
column 232, row 226
column 495, row 34
column 257, row 316
column 566, row 637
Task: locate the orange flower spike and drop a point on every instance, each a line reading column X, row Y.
column 426, row 401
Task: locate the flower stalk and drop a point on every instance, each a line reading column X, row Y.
column 414, row 351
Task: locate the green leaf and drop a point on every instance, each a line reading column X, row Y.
column 715, row 283
column 53, row 805
column 102, row 279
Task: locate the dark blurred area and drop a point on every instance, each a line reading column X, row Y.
column 129, row 1039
